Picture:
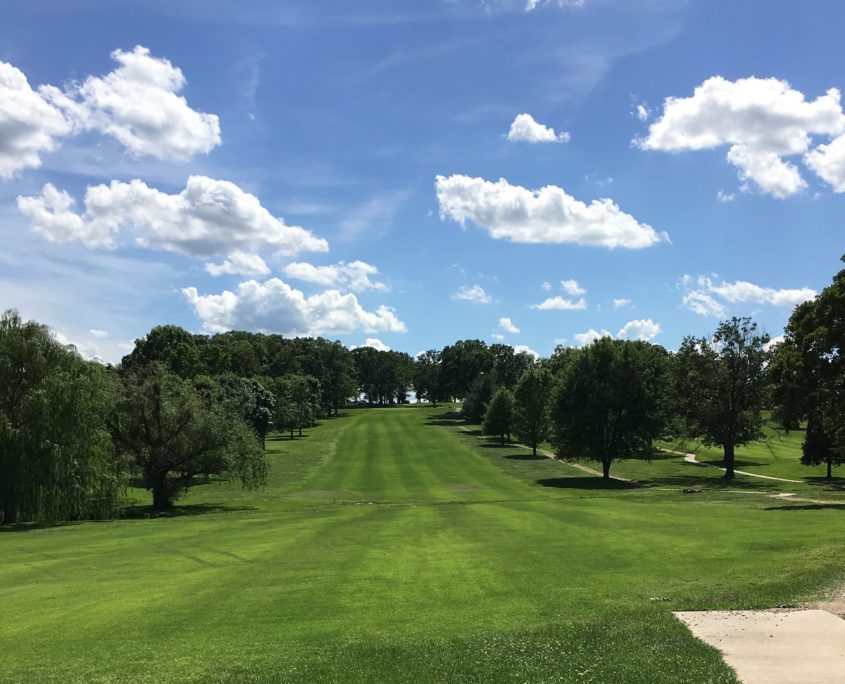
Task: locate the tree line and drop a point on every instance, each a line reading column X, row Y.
column 75, row 433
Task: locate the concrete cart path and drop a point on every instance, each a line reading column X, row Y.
column 775, row 646
column 690, row 458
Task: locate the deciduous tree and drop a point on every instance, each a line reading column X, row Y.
column 720, row 384
column 171, row 436
column 530, row 408
column 610, row 402
column 497, row 418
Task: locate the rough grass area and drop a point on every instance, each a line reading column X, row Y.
column 390, row 545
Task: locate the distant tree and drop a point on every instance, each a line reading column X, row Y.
column 509, row 365
column 171, row 435
column 462, row 363
column 610, row 402
column 558, row 360
column 789, row 390
column 250, row 401
column 815, row 385
column 338, row 381
column 367, row 365
column 720, row 386
column 297, row 399
column 499, row 414
column 56, row 457
column 175, row 347
column 428, row 377
column 530, row 407
column 478, row 397
column 821, row 442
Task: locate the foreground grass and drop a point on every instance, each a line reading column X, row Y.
column 389, row 546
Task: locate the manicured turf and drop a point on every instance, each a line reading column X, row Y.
column 391, row 545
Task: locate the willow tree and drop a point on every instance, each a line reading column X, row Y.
column 56, row 458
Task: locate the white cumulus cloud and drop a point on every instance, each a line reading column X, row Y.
column 549, row 215
column 761, row 120
column 29, row 125
column 702, row 295
column 472, row 293
column 208, row 218
column 571, row 287
column 525, row 349
column 354, row 275
column 560, row 304
column 621, row 303
column 585, row 339
column 138, row 104
column 239, row 263
column 377, row 344
column 643, row 329
column 703, row 304
column 743, row 291
column 525, row 129
column 273, row 306
column 506, row 324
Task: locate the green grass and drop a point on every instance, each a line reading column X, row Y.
column 392, row 546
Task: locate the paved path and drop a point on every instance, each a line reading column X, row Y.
column 690, row 458
column 775, row 646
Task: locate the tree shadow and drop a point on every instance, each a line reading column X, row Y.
column 587, row 483
column 139, row 512
column 807, row 507
column 832, row 484
column 527, row 457
column 711, row 483
column 30, row 526
column 738, row 464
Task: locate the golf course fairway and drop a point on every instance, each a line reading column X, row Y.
column 397, row 545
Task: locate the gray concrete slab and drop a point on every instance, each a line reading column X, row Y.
column 775, row 646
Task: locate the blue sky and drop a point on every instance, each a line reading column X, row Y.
column 412, row 173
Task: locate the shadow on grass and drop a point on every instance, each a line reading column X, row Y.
column 586, row 483
column 527, row 457
column 30, row 526
column 833, row 484
column 808, row 507
column 287, row 438
column 710, row 483
column 147, row 512
column 738, row 464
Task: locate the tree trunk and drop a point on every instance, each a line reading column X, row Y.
column 161, row 498
column 300, row 430
column 10, row 515
column 728, row 462
column 829, row 468
column 502, row 440
column 534, row 449
column 291, row 432
column 605, row 469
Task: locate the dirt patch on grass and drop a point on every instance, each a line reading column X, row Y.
column 835, row 603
